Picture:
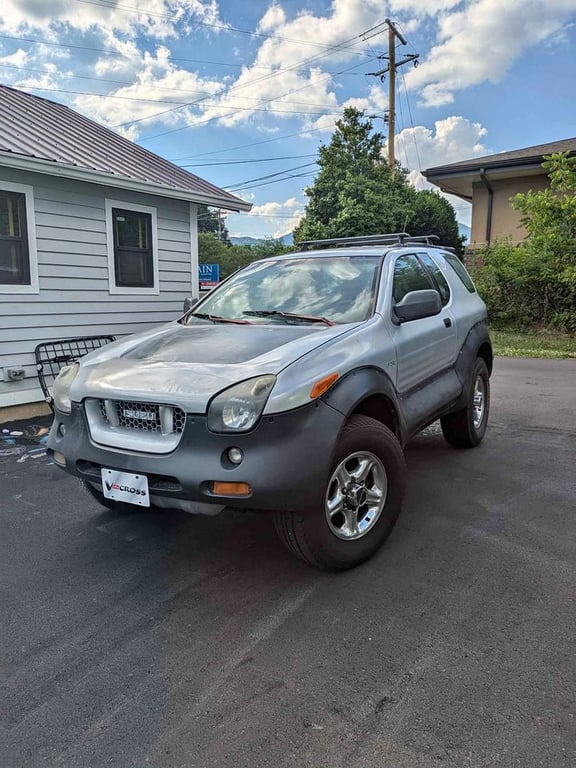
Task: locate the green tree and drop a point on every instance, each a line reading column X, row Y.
column 209, row 220
column 433, row 214
column 357, row 193
column 534, row 283
column 232, row 257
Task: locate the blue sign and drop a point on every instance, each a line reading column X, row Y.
column 209, row 275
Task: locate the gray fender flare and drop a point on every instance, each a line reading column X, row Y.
column 360, row 384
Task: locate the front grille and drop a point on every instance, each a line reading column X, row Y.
column 144, row 417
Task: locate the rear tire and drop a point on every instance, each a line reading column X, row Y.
column 466, row 428
column 362, row 500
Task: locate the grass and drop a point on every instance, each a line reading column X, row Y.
column 519, row 342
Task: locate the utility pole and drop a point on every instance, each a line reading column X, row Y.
column 393, row 65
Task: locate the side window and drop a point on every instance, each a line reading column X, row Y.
column 439, row 279
column 409, row 275
column 460, row 270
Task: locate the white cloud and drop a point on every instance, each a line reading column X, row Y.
column 156, row 17
column 290, row 70
column 479, row 41
column 453, row 139
column 274, row 17
column 280, row 217
column 157, row 77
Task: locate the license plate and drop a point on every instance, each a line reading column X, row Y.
column 126, row 487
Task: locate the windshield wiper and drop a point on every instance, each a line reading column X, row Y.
column 278, row 313
column 218, row 319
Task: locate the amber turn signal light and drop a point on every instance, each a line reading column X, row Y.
column 323, row 385
column 231, row 489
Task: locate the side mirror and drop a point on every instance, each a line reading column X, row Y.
column 189, row 302
column 418, row 304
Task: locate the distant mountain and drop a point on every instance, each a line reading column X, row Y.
column 287, row 239
column 245, row 240
column 464, row 230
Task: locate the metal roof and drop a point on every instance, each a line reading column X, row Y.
column 42, row 130
column 527, row 156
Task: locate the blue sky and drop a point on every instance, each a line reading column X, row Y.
column 243, row 93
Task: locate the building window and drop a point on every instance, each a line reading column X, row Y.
column 18, row 265
column 133, row 258
column 132, row 249
column 14, row 258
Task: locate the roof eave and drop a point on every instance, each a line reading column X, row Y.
column 459, row 180
column 90, row 176
column 476, row 167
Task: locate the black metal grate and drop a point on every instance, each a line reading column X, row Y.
column 145, row 417
column 54, row 355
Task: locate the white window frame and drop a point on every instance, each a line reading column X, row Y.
column 119, row 289
column 33, row 285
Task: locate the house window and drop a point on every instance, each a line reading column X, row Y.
column 14, row 259
column 18, row 266
column 133, row 257
column 132, row 248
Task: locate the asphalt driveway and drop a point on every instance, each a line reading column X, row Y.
column 164, row 640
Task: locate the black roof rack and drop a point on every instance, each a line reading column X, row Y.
column 390, row 238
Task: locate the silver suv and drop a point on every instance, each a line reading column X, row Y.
column 291, row 388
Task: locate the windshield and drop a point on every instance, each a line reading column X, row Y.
column 340, row 289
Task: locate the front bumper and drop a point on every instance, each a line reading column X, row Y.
column 286, row 460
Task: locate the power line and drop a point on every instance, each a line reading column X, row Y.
column 411, row 122
column 226, row 91
column 244, row 162
column 138, row 56
column 138, row 98
column 159, row 101
column 303, row 132
column 266, row 183
column 231, row 114
column 211, row 25
column 123, row 55
column 393, row 64
column 272, row 175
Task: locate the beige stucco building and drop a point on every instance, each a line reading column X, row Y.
column 489, row 183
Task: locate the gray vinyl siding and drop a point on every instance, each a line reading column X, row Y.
column 74, row 297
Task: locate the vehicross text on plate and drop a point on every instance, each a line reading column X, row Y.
column 126, row 487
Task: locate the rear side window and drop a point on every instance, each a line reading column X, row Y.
column 439, row 279
column 460, row 270
column 409, row 275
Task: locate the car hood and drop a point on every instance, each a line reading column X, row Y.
column 186, row 365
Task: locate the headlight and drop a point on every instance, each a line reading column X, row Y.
column 62, row 386
column 238, row 409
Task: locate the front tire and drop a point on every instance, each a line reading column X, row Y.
column 362, row 500
column 466, row 428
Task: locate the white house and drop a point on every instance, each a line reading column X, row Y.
column 97, row 234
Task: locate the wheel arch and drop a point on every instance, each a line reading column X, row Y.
column 368, row 392
column 485, row 352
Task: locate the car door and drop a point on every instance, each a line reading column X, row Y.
column 427, row 346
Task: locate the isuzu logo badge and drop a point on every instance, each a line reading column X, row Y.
column 130, row 413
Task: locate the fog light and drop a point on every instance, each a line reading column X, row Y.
column 61, row 430
column 231, row 489
column 235, row 455
column 59, row 458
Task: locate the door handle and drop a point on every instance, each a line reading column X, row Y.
column 447, row 322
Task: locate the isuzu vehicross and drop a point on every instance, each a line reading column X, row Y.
column 291, row 388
